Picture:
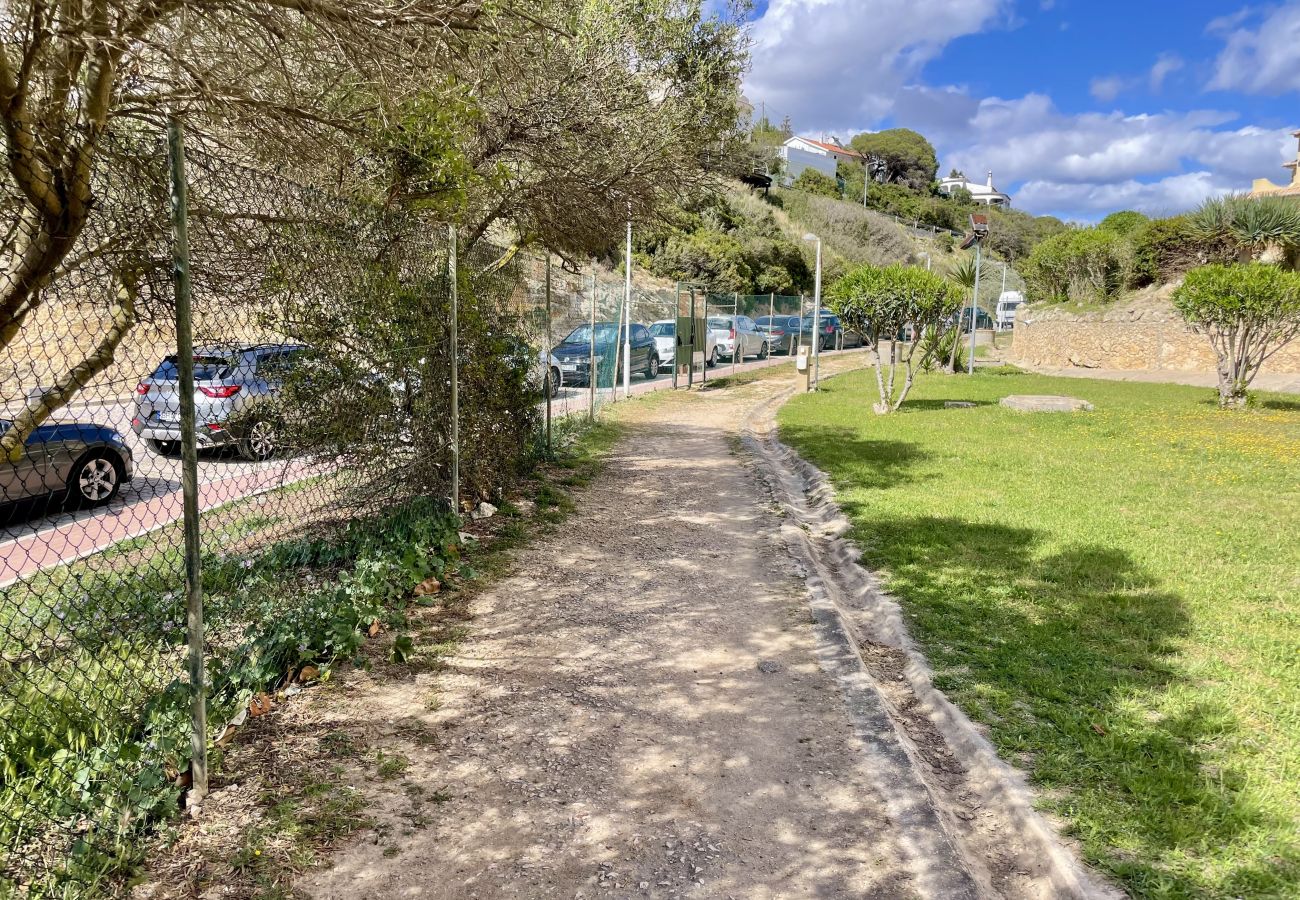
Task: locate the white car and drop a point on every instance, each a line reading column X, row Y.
column 664, row 331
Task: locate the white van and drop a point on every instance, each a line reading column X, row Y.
column 1008, row 303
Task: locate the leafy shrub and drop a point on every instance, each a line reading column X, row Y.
column 815, row 182
column 92, row 739
column 1248, row 312
column 1162, row 250
column 1084, row 264
column 879, row 302
column 1123, row 223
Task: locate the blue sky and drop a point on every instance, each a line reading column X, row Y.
column 1080, row 107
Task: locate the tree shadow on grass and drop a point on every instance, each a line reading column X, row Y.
column 1282, row 405
column 930, row 404
column 873, row 463
column 1059, row 652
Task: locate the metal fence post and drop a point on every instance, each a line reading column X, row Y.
column 189, row 465
column 546, row 359
column 454, row 280
column 591, row 358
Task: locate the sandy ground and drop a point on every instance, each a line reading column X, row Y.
column 641, row 711
column 653, row 706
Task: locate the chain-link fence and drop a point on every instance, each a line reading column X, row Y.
column 305, row 433
column 237, row 419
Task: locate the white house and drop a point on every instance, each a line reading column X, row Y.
column 985, row 194
column 801, row 153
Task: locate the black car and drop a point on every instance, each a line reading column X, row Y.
column 573, row 354
column 983, row 320
column 782, row 332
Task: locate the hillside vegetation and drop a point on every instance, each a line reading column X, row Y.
column 1128, row 251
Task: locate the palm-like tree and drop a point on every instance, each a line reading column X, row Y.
column 963, row 275
column 1249, row 227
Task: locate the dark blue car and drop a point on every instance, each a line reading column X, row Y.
column 574, row 353
column 76, row 462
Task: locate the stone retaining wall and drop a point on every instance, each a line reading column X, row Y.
column 1149, row 336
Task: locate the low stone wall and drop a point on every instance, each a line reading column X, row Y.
column 1148, row 336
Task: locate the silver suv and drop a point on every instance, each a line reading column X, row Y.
column 231, row 384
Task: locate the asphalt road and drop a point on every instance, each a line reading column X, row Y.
column 36, row 536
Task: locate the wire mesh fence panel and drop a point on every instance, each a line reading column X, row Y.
column 87, row 655
column 322, row 359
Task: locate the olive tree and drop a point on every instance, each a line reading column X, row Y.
column 1248, row 312
column 85, row 86
column 879, row 303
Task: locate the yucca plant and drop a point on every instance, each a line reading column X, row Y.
column 1248, row 228
column 937, row 345
column 964, row 275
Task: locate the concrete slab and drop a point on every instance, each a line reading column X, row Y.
column 1045, row 403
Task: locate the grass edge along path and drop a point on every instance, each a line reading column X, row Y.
column 294, row 791
column 1113, row 595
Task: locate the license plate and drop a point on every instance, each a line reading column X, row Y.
column 168, row 418
column 569, row 367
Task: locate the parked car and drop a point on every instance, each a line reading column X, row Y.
column 782, row 332
column 830, row 327
column 548, row 378
column 574, row 352
column 79, row 463
column 664, row 332
column 983, row 320
column 738, row 334
column 1008, row 303
column 232, row 384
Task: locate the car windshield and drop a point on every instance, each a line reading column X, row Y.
column 719, row 323
column 206, row 368
column 606, row 333
column 663, row 329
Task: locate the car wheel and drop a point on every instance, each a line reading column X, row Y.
column 258, row 444
column 652, row 368
column 762, row 351
column 554, row 386
column 712, row 361
column 164, row 448
column 95, row 480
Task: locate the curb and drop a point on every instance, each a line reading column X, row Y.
column 854, row 614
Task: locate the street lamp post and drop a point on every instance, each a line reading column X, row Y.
column 817, row 310
column 979, row 231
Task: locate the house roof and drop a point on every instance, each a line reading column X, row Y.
column 833, row 148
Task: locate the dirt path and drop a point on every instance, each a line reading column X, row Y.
column 651, row 707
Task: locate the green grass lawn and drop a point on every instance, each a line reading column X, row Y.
column 1115, row 594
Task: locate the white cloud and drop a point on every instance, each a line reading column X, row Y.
column 1166, row 65
column 843, row 66
column 1092, row 159
column 1093, row 200
column 1265, row 60
column 1107, row 89
column 836, row 64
